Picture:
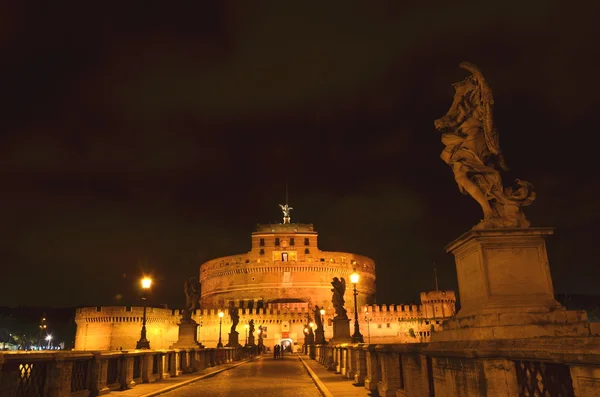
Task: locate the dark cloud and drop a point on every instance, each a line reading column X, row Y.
column 142, row 137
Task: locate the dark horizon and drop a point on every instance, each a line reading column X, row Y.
column 149, row 139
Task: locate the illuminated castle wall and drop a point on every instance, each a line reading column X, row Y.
column 284, row 265
column 276, row 284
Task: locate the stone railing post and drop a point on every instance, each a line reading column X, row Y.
column 99, row 375
column 360, row 370
column 126, row 375
column 373, row 370
column 59, row 376
column 416, row 375
column 213, row 357
column 331, row 364
column 338, row 359
column 172, row 357
column 146, row 367
column 352, row 354
column 391, row 375
column 343, row 361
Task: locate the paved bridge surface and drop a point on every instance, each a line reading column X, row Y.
column 293, row 376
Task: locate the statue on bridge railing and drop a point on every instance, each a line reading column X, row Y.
column 473, row 151
column 339, row 288
column 235, row 318
column 191, row 288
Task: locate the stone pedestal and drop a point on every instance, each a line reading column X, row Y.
column 320, row 336
column 506, row 289
column 341, row 331
column 251, row 340
column 233, row 339
column 188, row 332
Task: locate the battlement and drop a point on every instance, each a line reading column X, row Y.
column 285, row 228
column 438, row 296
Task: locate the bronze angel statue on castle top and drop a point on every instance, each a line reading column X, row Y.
column 473, row 151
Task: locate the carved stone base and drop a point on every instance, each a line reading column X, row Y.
column 251, row 340
column 341, row 331
column 506, row 289
column 188, row 332
column 233, row 339
column 320, row 336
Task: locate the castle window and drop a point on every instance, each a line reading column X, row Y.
column 262, row 251
column 277, row 241
column 262, row 242
column 292, row 241
column 322, row 259
column 306, row 251
column 306, row 241
column 284, row 257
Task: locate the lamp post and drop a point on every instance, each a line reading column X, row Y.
column 356, row 336
column 221, row 314
column 246, row 326
column 143, row 343
column 43, row 327
column 368, row 327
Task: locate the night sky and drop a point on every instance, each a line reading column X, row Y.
column 140, row 138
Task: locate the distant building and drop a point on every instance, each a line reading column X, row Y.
column 277, row 284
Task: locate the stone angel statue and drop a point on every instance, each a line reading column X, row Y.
column 235, row 318
column 473, row 152
column 339, row 288
column 286, row 212
column 191, row 288
column 251, row 327
column 318, row 317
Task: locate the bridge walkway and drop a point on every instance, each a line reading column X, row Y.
column 263, row 376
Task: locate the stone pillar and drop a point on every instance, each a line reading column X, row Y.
column 126, row 376
column 416, row 375
column 343, row 361
column 391, row 376
column 173, row 363
column 360, row 363
column 98, row 384
column 506, row 289
column 373, row 370
column 59, row 379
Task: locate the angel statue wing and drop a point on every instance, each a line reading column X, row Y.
column 486, row 99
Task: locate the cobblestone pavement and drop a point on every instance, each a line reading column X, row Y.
column 263, row 377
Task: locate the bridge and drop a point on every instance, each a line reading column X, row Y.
column 511, row 367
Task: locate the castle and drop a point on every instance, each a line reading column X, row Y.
column 277, row 284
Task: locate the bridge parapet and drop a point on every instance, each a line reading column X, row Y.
column 509, row 367
column 76, row 373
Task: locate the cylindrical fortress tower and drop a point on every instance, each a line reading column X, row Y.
column 284, row 267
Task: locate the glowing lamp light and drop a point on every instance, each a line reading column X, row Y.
column 311, row 325
column 221, row 314
column 246, row 326
column 146, row 282
column 49, row 338
column 354, row 278
column 322, row 312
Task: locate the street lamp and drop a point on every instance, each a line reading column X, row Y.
column 246, row 326
column 368, row 327
column 43, row 327
column 356, row 337
column 221, row 314
column 143, row 343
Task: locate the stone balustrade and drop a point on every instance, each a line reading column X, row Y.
column 93, row 373
column 513, row 367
